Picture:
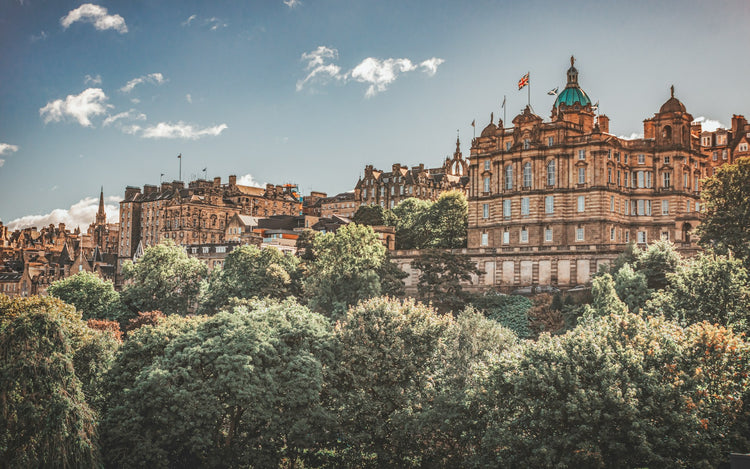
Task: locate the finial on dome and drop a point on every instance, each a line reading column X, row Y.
column 671, row 88
column 572, row 60
column 492, row 117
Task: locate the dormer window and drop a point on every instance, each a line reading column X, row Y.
column 526, row 144
column 666, row 160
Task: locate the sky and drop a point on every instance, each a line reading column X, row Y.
column 108, row 93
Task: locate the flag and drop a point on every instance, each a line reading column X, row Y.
column 179, row 156
column 204, row 169
column 473, row 123
column 161, row 175
column 524, row 81
column 553, row 92
column 595, row 107
column 503, row 105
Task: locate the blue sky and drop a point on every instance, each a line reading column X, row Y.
column 108, row 93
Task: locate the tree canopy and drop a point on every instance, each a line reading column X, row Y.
column 93, row 296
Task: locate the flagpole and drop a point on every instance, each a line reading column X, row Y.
column 529, row 90
column 179, row 157
column 504, row 111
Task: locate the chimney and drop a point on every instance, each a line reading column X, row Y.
column 648, row 129
column 217, row 181
column 232, row 180
column 738, row 124
column 603, row 121
column 165, row 186
column 178, row 185
column 149, row 189
column 131, row 192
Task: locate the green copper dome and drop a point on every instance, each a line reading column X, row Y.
column 572, row 95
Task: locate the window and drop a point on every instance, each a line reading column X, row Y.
column 611, row 203
column 641, row 237
column 508, row 145
column 667, row 180
column 665, row 207
column 640, row 180
column 548, row 235
column 666, row 160
column 526, row 144
column 549, row 204
column 550, row 141
column 633, row 210
column 392, row 203
column 581, row 175
column 697, row 206
column 579, row 233
column 641, row 207
column 627, row 158
column 724, row 154
column 612, row 234
column 221, row 249
column 506, row 208
column 487, row 165
column 648, row 207
column 581, row 203
column 706, row 141
column 619, row 179
column 641, row 158
column 581, row 154
column 627, row 179
column 743, row 147
column 715, row 156
column 665, row 235
column 609, row 154
column 527, row 175
column 525, row 206
column 485, row 239
column 487, row 184
column 509, row 177
column 687, row 207
column 627, row 236
column 648, row 179
column 485, row 210
column 506, row 237
column 609, row 175
column 524, row 235
column 695, row 183
column 551, row 173
column 393, row 190
column 205, row 249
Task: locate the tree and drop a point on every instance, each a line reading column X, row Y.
column 449, row 220
column 628, row 256
column 391, row 278
column 93, row 296
column 251, row 272
column 387, row 360
column 617, row 391
column 440, row 277
column 726, row 209
column 631, row 287
column 370, row 215
column 510, row 311
column 45, row 420
column 345, row 269
column 230, row 390
column 657, row 261
column 606, row 301
column 412, row 221
column 707, row 288
column 165, row 278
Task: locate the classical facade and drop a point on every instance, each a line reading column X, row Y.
column 196, row 214
column 552, row 201
column 387, row 189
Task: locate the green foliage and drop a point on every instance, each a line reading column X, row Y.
column 726, row 210
column 606, row 301
column 440, row 276
column 93, row 296
column 372, row 214
column 631, row 287
column 391, row 278
column 232, row 390
column 345, row 270
column 707, row 288
column 618, row 391
column 449, row 217
column 411, row 217
column 164, row 279
column 657, row 261
column 250, row 272
column 388, row 357
column 45, row 420
column 629, row 256
column 510, row 311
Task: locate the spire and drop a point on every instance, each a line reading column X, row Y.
column 101, row 215
column 572, row 73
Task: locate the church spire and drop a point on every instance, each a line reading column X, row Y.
column 101, row 215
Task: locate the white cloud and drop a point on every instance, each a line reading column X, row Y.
column 40, row 37
column 215, row 23
column 91, row 102
column 7, row 148
column 248, row 180
column 292, row 3
column 96, row 15
column 379, row 74
column 129, row 115
column 189, row 20
column 709, row 125
column 135, row 100
column 189, row 98
column 88, row 79
column 181, row 130
column 632, row 136
column 155, row 78
column 80, row 214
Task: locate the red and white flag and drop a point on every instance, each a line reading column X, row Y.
column 524, row 81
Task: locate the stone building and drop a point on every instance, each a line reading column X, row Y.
column 344, row 205
column 387, row 189
column 551, row 201
column 197, row 214
column 723, row 146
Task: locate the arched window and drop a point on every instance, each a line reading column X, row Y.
column 551, row 176
column 509, row 177
column 666, row 133
column 527, row 175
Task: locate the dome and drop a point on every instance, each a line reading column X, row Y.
column 571, row 96
column 489, row 130
column 673, row 104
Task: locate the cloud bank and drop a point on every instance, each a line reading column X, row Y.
column 181, row 130
column 709, row 125
column 248, row 180
column 377, row 73
column 80, row 214
column 96, row 15
column 127, row 115
column 90, row 102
